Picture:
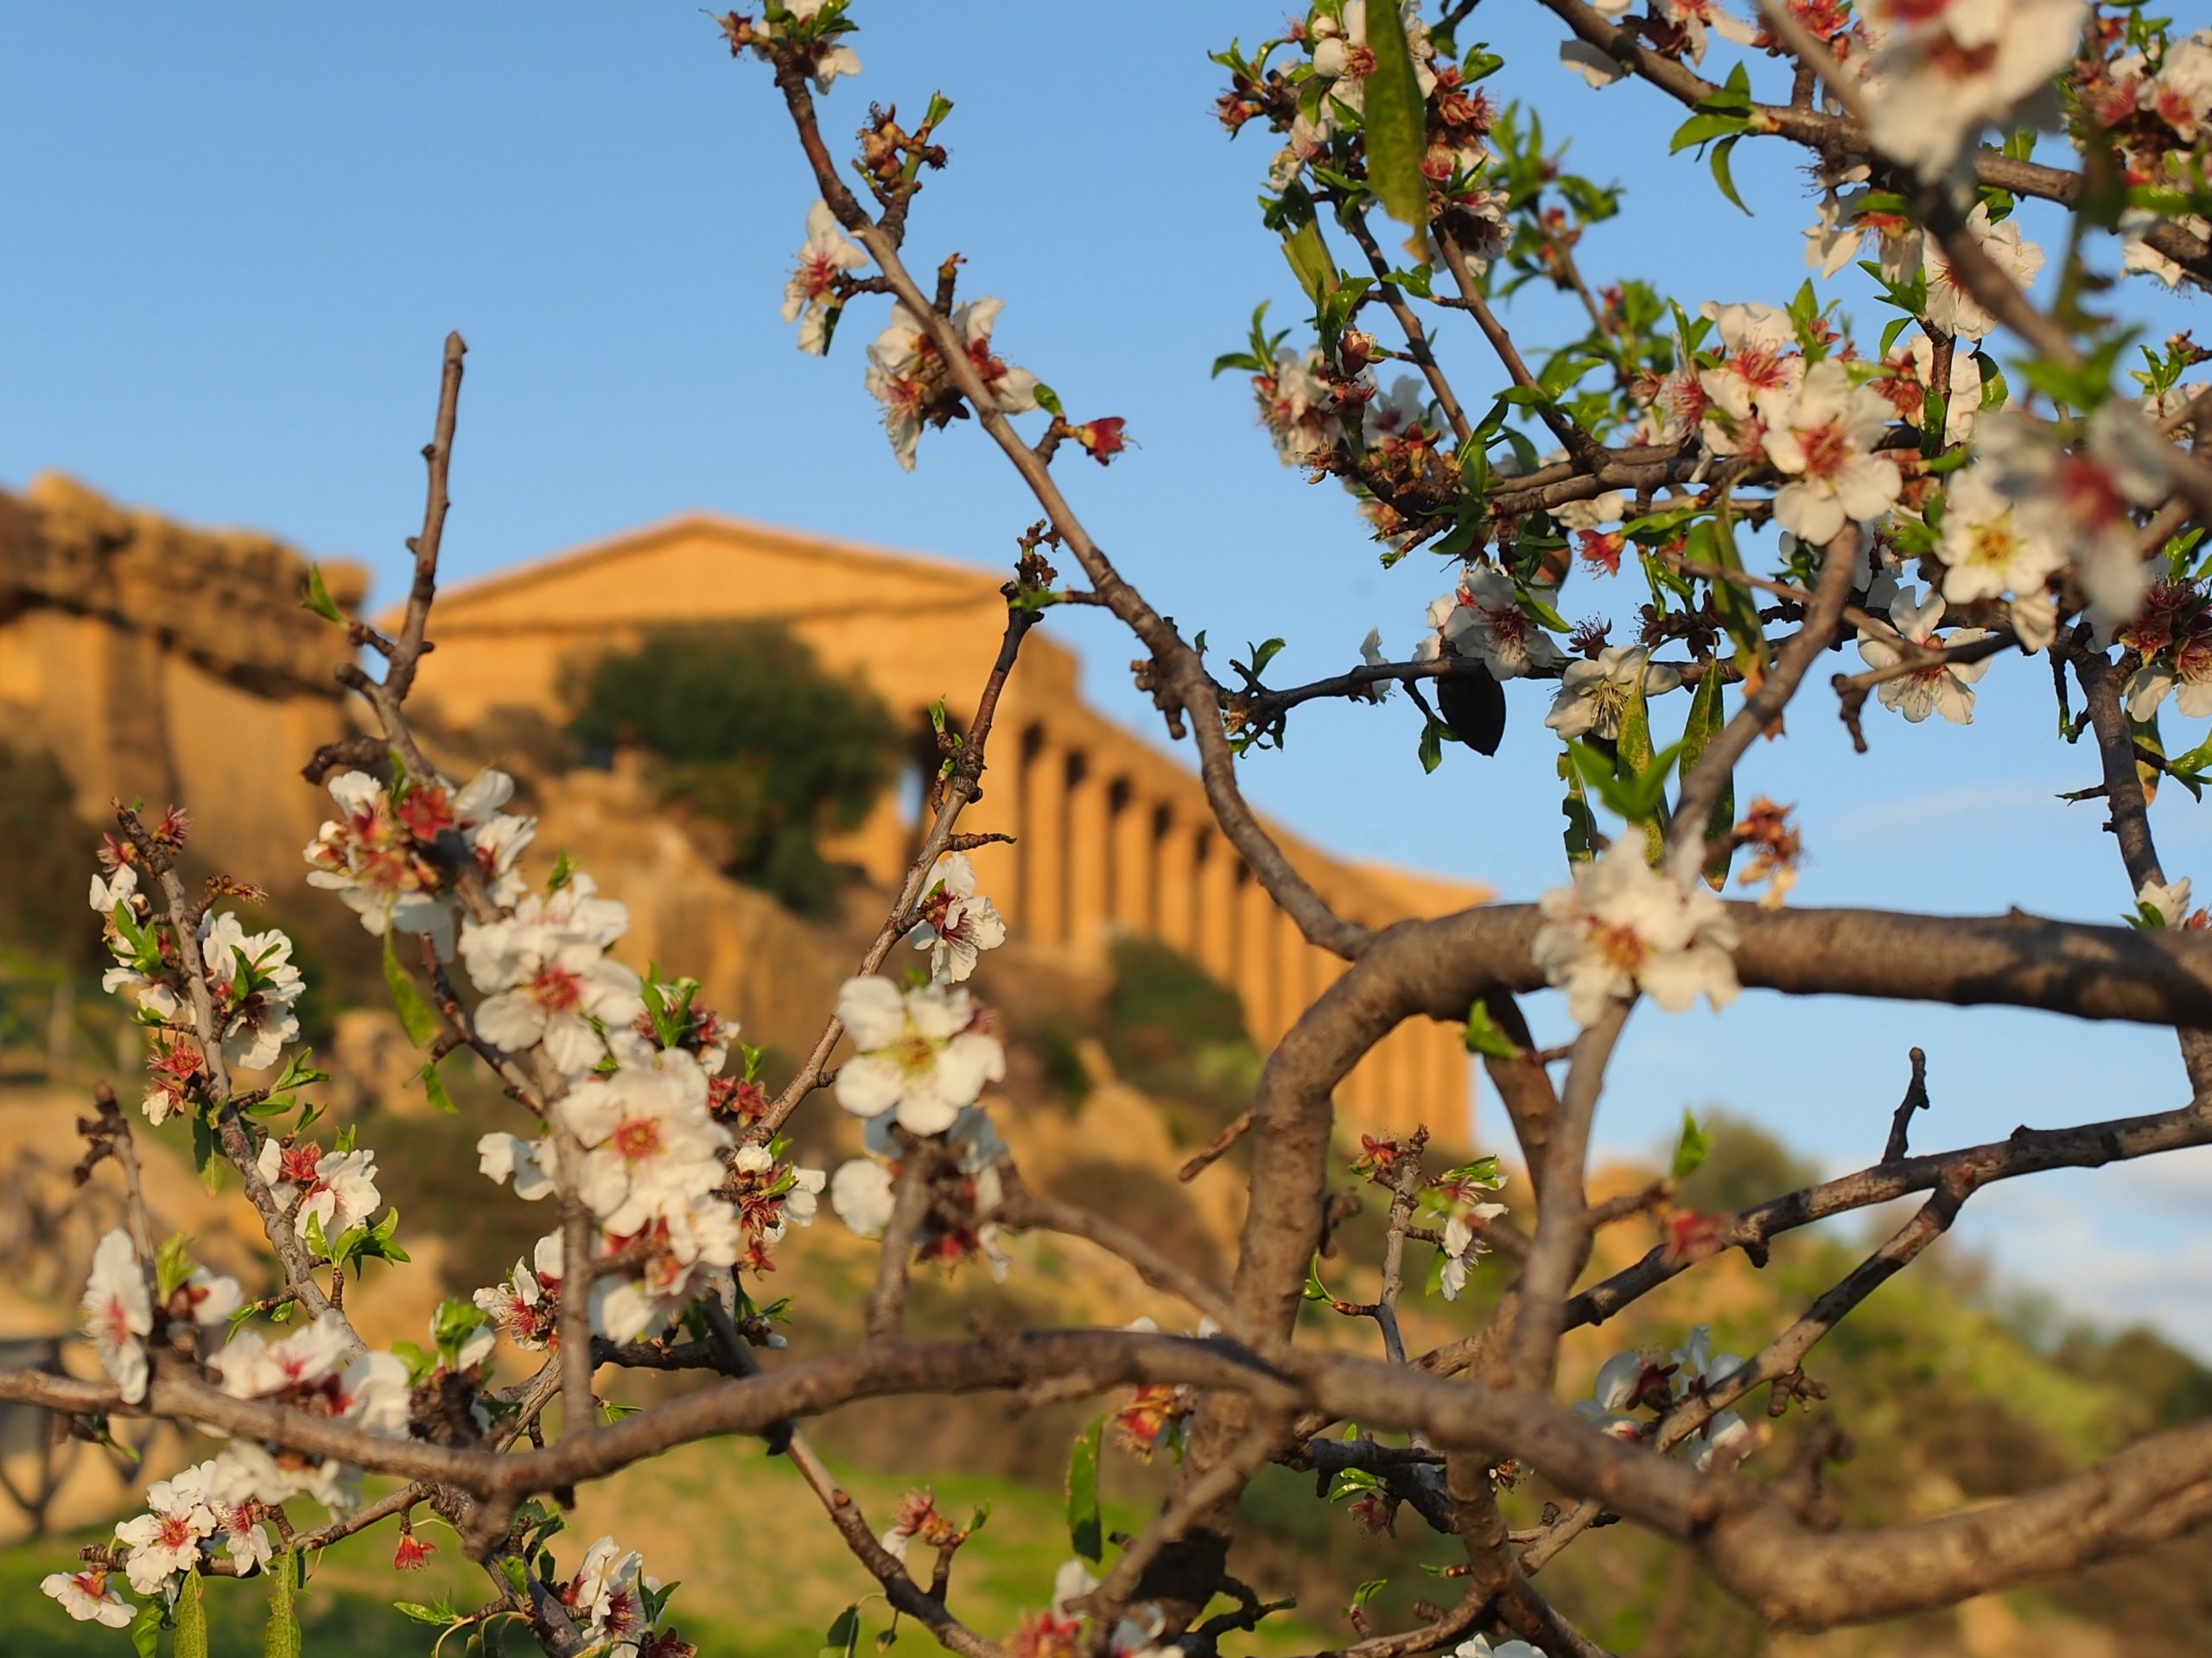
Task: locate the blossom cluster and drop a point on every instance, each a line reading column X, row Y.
column 1636, row 1381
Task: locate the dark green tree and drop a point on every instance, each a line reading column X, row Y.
column 753, row 736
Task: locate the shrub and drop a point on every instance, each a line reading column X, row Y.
column 751, row 733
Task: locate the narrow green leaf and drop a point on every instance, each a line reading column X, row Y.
column 1703, row 725
column 1396, row 124
column 1431, row 745
column 1691, row 1150
column 843, row 1637
column 191, row 1619
column 1086, row 1525
column 1725, row 178
column 281, row 1638
column 206, row 1152
column 416, row 1017
column 1581, row 831
column 1485, row 1038
column 316, row 597
column 1309, row 259
column 1367, row 1591
column 433, row 1089
column 146, row 1630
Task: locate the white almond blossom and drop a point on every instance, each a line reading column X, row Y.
column 548, row 987
column 1344, row 60
column 1484, row 620
column 828, row 60
column 957, row 922
column 1951, row 307
column 1944, row 70
column 908, row 377
column 1759, row 363
column 1617, row 1392
column 255, row 984
column 526, row 1305
column 650, row 1145
column 1986, row 546
column 2168, row 900
column 90, row 1596
column 529, row 1163
column 1913, row 364
column 2081, row 499
column 606, row 1598
column 1944, row 688
column 2184, row 667
column 1476, row 1646
column 1699, row 1369
column 1695, row 17
column 1297, row 406
column 336, row 1190
column 2137, row 255
column 119, row 1313
column 238, row 1519
column 1593, row 695
column 665, row 1279
column 376, row 856
column 861, row 1192
column 1840, row 232
column 808, row 297
column 921, row 1054
column 1623, row 927
column 1822, row 435
column 1370, row 655
column 164, row 1540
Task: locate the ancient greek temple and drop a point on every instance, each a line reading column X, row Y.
column 1112, row 833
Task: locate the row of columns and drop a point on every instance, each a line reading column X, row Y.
column 1099, row 852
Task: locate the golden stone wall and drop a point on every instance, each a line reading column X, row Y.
column 169, row 664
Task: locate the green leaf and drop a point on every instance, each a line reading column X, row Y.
column 1432, row 744
column 1367, row 1591
column 1691, row 1150
column 1704, row 127
column 146, row 1630
column 1315, row 1289
column 1581, row 831
column 191, row 1619
column 1086, row 1525
column 206, row 1152
column 315, row 596
column 172, row 1266
column 280, row 1637
column 439, row 1615
column 842, row 1638
column 1396, row 124
column 433, row 1089
column 1309, row 259
column 1047, row 399
column 1264, row 653
column 1485, row 1038
column 1723, row 177
column 416, row 1017
column 1704, row 724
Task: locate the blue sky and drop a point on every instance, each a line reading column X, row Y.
column 238, row 235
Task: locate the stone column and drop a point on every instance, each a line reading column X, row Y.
column 1216, row 944
column 1042, row 916
column 1131, row 903
column 1261, row 963
column 1175, row 894
column 1087, row 854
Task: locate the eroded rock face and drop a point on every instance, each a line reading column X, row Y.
column 159, row 662
column 229, row 599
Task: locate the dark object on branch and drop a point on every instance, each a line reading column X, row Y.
column 1473, row 705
